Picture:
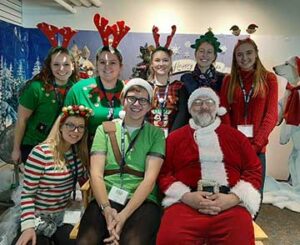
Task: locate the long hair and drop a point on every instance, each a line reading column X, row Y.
column 57, row 143
column 46, row 76
column 260, row 74
column 169, row 52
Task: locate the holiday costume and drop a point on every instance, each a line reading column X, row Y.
column 47, row 188
column 165, row 105
column 193, row 80
column 105, row 103
column 150, row 141
column 217, row 153
column 262, row 112
column 46, row 102
column 144, row 222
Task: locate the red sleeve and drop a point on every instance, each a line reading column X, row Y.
column 223, row 99
column 271, row 114
column 166, row 178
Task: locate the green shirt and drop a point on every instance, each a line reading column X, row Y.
column 82, row 94
column 150, row 142
column 45, row 109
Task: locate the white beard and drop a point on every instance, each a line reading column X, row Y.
column 204, row 119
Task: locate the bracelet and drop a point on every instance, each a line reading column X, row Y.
column 105, row 205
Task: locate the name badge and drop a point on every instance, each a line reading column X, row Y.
column 72, row 217
column 118, row 195
column 166, row 132
column 247, row 130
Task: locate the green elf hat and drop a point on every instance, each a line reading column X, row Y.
column 210, row 38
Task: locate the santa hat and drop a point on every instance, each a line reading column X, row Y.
column 209, row 93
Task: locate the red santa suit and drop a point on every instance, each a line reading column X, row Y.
column 226, row 156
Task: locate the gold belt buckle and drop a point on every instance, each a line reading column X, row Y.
column 204, row 182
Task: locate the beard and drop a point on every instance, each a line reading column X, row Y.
column 204, row 118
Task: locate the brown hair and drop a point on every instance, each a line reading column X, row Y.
column 260, row 85
column 46, row 75
column 169, row 52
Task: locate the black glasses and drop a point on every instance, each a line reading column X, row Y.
column 73, row 127
column 133, row 99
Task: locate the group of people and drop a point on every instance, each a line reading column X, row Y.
column 143, row 143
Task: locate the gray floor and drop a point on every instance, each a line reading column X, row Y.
column 281, row 225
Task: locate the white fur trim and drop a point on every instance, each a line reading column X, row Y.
column 203, row 91
column 210, row 153
column 139, row 82
column 174, row 193
column 221, row 111
column 122, row 114
column 248, row 195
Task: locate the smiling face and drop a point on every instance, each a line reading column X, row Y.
column 108, row 67
column 136, row 106
column 62, row 67
column 73, row 129
column 205, row 56
column 246, row 56
column 203, row 111
column 161, row 63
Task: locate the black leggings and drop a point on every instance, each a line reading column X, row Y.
column 139, row 229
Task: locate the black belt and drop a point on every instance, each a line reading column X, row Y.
column 222, row 189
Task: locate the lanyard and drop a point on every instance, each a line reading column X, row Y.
column 162, row 101
column 110, row 115
column 246, row 96
column 59, row 97
column 131, row 144
column 75, row 176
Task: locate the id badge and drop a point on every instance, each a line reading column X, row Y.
column 247, row 130
column 166, row 132
column 72, row 217
column 118, row 195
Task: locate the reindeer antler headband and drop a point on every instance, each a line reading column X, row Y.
column 156, row 37
column 50, row 32
column 118, row 30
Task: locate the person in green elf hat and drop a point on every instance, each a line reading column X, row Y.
column 205, row 74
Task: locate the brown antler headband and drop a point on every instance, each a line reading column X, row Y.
column 156, row 36
column 50, row 32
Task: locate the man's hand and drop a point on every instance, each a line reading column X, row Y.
column 110, row 215
column 224, row 201
column 198, row 200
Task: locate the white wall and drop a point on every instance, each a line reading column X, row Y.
column 278, row 35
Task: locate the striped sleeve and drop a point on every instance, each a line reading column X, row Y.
column 34, row 168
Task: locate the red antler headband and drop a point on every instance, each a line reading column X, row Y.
column 156, row 36
column 50, row 32
column 118, row 30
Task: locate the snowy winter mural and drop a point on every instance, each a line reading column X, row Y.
column 22, row 51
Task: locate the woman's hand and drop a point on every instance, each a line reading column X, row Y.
column 27, row 236
column 16, row 155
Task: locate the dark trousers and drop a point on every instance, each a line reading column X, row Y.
column 60, row 237
column 139, row 229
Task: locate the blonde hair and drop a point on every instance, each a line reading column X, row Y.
column 57, row 143
column 260, row 74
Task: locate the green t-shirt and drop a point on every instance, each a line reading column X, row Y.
column 82, row 94
column 45, row 107
column 150, row 141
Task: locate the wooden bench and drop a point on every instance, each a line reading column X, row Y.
column 259, row 234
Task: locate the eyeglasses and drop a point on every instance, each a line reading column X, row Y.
column 73, row 127
column 207, row 102
column 133, row 99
